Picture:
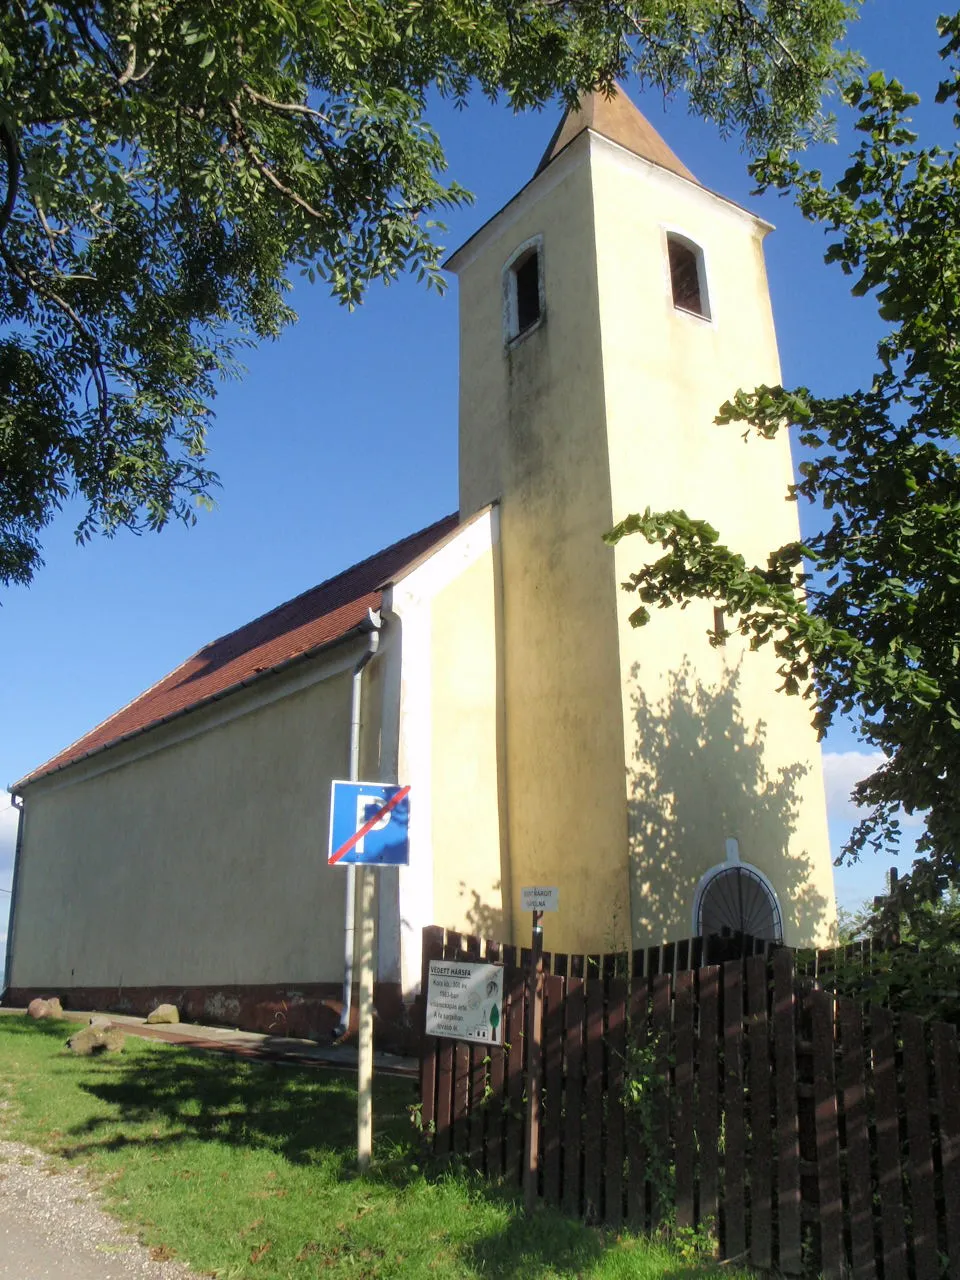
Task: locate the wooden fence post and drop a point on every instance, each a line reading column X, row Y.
column 432, row 950
column 788, row 1125
column 534, row 1058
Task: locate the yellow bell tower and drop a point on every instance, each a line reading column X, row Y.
column 662, row 783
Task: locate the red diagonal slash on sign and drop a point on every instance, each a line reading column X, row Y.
column 369, row 825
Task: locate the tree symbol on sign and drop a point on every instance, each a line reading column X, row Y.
column 494, row 1019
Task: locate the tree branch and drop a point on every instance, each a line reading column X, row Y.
column 293, row 108
column 31, row 281
column 130, row 68
column 261, row 165
column 48, row 230
column 11, row 152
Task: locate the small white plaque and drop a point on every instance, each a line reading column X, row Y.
column 465, row 1000
column 540, row 898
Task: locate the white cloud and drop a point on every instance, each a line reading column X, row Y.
column 842, row 770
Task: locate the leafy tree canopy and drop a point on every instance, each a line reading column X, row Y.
column 913, row 965
column 871, row 628
column 164, row 164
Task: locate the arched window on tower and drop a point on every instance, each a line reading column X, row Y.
column 737, row 898
column 523, row 301
column 688, row 279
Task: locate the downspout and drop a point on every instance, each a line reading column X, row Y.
column 350, row 901
column 8, row 956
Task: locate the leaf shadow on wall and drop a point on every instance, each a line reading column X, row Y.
column 485, row 919
column 698, row 774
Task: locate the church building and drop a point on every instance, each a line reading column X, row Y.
column 658, row 780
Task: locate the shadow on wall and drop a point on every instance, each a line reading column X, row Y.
column 696, row 777
column 485, row 920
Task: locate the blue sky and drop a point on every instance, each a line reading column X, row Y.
column 342, row 438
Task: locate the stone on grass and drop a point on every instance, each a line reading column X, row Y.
column 94, row 1040
column 163, row 1013
column 50, row 1008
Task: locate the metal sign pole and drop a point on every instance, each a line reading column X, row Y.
column 369, row 828
column 534, row 1052
column 365, row 1016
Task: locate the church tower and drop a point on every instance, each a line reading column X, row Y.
column 661, row 782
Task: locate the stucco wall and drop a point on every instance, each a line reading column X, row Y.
column 201, row 863
column 713, row 751
column 442, row 657
column 531, row 433
column 631, row 757
column 470, row 878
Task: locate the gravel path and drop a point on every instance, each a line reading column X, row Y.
column 52, row 1228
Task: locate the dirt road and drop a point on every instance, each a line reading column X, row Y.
column 51, row 1227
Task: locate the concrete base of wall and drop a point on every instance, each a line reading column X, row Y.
column 310, row 1010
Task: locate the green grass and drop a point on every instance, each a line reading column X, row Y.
column 247, row 1170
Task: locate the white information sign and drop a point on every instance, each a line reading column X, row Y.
column 465, row 1000
column 540, row 898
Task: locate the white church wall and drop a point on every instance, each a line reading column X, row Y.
column 713, row 751
column 195, row 855
column 442, row 629
column 532, row 432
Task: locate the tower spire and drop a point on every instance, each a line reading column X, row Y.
column 614, row 117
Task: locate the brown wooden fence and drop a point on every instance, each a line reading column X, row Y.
column 811, row 1135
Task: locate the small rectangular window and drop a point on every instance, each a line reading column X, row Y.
column 523, row 294
column 685, row 273
column 527, row 277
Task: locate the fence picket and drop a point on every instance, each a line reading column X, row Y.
column 888, row 1144
column 477, row 1110
column 852, row 1081
column 429, row 1054
column 683, row 1080
column 460, row 1103
column 514, row 1019
column 734, row 1155
column 832, row 1260
column 947, row 1067
column 496, row 1079
column 573, row 1096
column 593, row 1105
column 443, row 1140
column 708, row 1095
column 923, row 1234
column 788, row 1122
column 761, row 1114
column 553, row 994
column 660, row 1158
column 616, row 1050
column 635, row 1133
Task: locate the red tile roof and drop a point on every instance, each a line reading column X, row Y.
column 302, row 626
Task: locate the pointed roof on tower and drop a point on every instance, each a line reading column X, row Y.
column 614, row 117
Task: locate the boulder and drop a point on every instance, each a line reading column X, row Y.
column 163, row 1013
column 95, row 1040
column 50, row 1008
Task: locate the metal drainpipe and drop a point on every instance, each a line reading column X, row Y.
column 350, row 902
column 8, row 957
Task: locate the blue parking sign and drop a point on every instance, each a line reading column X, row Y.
column 369, row 824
